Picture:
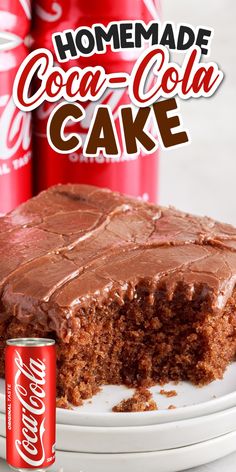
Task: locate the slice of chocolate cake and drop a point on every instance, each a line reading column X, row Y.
column 132, row 293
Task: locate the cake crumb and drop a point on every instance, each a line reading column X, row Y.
column 171, row 407
column 168, row 393
column 62, row 402
column 140, row 401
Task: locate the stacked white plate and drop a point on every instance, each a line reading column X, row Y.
column 91, row 438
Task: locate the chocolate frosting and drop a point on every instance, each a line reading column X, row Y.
column 76, row 245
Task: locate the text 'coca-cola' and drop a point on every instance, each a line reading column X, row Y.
column 153, row 85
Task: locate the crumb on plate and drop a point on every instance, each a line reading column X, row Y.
column 168, row 393
column 140, row 401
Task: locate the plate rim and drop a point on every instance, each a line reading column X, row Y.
column 155, row 412
column 187, row 411
column 177, row 450
column 179, row 414
column 144, row 428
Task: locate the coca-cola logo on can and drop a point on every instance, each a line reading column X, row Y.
column 15, row 128
column 49, row 12
column 26, row 5
column 30, row 371
column 32, row 400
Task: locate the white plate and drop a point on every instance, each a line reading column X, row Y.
column 191, row 402
column 105, row 440
column 173, row 460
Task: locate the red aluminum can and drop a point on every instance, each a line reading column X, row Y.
column 30, row 403
column 15, row 133
column 134, row 176
column 51, row 17
column 15, row 17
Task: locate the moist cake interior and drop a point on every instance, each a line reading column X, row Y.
column 142, row 342
column 132, row 293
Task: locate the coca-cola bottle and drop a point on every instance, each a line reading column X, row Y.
column 15, row 18
column 132, row 175
column 30, row 371
column 15, row 134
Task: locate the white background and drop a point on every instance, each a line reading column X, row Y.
column 201, row 177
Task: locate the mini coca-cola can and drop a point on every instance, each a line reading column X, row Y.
column 137, row 176
column 15, row 17
column 15, row 135
column 30, row 372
